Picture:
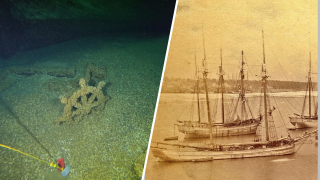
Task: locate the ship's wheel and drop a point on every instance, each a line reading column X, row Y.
column 83, row 102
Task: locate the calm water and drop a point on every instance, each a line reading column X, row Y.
column 301, row 165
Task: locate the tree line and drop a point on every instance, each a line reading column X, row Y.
column 179, row 85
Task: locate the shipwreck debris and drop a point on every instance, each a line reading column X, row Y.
column 83, row 102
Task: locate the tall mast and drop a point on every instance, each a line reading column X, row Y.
column 197, row 89
column 242, row 89
column 204, row 49
column 309, row 84
column 264, row 81
column 205, row 74
column 221, row 73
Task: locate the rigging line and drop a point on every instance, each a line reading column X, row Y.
column 247, row 64
column 192, row 109
column 313, row 98
column 191, row 112
column 284, row 125
column 289, row 102
column 279, row 112
column 215, row 106
column 203, row 110
column 304, row 101
column 226, row 107
column 249, row 72
column 297, row 102
column 260, row 104
column 283, row 98
column 249, row 109
column 182, row 114
column 302, row 142
column 287, row 107
column 311, row 93
column 268, row 98
column 286, row 98
column 235, row 109
column 245, row 113
column 253, row 102
column 284, row 87
column 234, row 112
column 230, row 109
column 314, row 103
column 280, row 64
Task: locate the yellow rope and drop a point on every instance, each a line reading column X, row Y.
column 50, row 164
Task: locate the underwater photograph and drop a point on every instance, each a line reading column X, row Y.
column 79, row 86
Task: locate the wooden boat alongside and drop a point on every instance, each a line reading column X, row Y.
column 235, row 125
column 311, row 120
column 192, row 130
column 209, row 152
column 231, row 151
column 301, row 122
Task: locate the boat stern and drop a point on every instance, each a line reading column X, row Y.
column 157, row 152
column 300, row 122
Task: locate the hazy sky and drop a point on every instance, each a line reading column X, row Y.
column 290, row 33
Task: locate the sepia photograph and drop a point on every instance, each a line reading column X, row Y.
column 79, row 81
column 239, row 93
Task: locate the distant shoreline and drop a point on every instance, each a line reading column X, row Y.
column 176, row 85
column 228, row 93
column 302, row 93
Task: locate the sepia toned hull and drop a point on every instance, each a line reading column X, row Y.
column 191, row 154
column 305, row 122
column 195, row 131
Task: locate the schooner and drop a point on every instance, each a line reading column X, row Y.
column 232, row 126
column 310, row 120
column 267, row 143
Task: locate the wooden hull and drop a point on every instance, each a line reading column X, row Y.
column 190, row 154
column 305, row 122
column 196, row 131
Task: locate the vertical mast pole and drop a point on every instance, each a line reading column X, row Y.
column 205, row 74
column 309, row 84
column 198, row 99
column 222, row 87
column 242, row 90
column 264, row 80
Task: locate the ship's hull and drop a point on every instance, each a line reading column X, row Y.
column 304, row 122
column 190, row 154
column 192, row 131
